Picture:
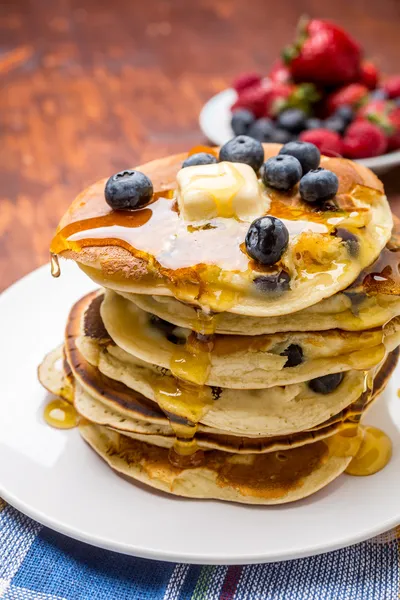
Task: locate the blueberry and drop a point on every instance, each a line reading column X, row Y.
column 168, row 329
column 292, row 119
column 351, row 240
column 200, row 158
column 336, row 124
column 241, row 120
column 277, row 283
column 281, row 136
column 128, row 190
column 397, row 101
column 294, row 354
column 307, row 154
column 266, row 240
column 346, row 113
column 262, row 130
column 281, row 172
column 326, row 384
column 313, row 123
column 243, row 149
column 378, row 95
column 319, row 185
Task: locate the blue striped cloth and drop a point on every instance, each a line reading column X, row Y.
column 39, row 564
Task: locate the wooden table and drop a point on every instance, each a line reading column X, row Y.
column 89, row 88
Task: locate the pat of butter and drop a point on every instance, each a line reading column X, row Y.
column 220, row 190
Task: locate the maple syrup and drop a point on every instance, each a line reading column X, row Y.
column 54, row 265
column 374, row 453
column 202, row 263
column 60, row 414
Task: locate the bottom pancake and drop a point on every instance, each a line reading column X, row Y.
column 274, row 478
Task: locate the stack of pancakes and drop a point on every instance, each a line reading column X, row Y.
column 203, row 374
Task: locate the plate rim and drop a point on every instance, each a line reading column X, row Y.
column 191, row 558
column 383, row 161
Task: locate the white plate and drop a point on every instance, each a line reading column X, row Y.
column 215, row 123
column 54, row 477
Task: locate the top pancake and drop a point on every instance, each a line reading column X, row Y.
column 154, row 251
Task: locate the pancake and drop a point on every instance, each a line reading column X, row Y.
column 54, row 374
column 272, row 478
column 371, row 301
column 338, row 312
column 241, row 361
column 155, row 251
column 200, row 371
column 133, row 390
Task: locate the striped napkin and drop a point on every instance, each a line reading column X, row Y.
column 39, row 564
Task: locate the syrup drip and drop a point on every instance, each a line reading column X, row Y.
column 383, row 276
column 374, row 453
column 60, row 414
column 184, row 398
column 54, row 265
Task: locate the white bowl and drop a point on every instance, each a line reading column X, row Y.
column 215, row 118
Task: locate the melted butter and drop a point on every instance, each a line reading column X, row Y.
column 373, row 455
column 60, row 414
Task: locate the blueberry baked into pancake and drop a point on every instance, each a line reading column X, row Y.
column 248, row 317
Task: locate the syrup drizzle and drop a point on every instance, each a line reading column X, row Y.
column 374, row 453
column 60, row 414
column 54, row 265
column 197, row 260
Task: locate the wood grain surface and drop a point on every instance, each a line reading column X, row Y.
column 89, row 88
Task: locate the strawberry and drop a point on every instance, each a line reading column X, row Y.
column 386, row 115
column 394, row 137
column 279, row 72
column 246, row 80
column 364, row 139
column 270, row 98
column 323, row 53
column 392, row 86
column 353, row 95
column 255, row 99
column 369, row 75
column 328, row 142
column 373, row 110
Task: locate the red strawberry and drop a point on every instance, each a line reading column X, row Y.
column 353, row 95
column 394, row 137
column 392, row 86
column 246, row 80
column 364, row 139
column 279, row 72
column 328, row 142
column 386, row 115
column 374, row 108
column 254, row 99
column 323, row 53
column 369, row 75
